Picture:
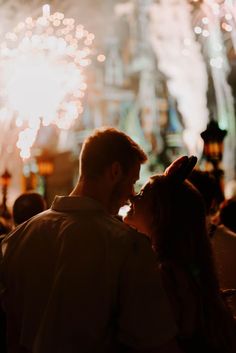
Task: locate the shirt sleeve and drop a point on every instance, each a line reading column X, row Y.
column 145, row 319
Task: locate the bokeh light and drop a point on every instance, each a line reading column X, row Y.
column 43, row 63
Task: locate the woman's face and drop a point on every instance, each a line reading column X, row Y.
column 140, row 214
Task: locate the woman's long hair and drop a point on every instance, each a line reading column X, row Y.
column 180, row 237
column 180, row 232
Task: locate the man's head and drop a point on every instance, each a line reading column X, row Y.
column 26, row 206
column 113, row 157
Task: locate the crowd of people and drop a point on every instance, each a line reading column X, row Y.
column 76, row 278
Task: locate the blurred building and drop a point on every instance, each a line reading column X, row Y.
column 126, row 89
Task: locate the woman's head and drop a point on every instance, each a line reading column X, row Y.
column 172, row 213
column 141, row 214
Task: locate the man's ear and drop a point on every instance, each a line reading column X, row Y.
column 116, row 171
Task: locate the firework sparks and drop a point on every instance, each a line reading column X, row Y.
column 42, row 67
column 216, row 30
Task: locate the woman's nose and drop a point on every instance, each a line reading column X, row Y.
column 132, row 197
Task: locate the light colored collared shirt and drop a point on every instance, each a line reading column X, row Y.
column 82, row 281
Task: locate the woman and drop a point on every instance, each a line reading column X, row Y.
column 171, row 212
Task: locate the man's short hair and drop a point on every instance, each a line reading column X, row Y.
column 26, row 206
column 105, row 146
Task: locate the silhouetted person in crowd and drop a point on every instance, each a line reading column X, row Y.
column 4, row 228
column 224, row 246
column 223, row 240
column 26, row 206
column 79, row 280
column 227, row 214
column 171, row 212
column 206, row 183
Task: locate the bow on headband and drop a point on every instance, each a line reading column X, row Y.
column 180, row 169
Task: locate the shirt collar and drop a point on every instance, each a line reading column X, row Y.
column 76, row 203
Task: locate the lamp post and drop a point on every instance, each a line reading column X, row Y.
column 5, row 180
column 213, row 150
column 45, row 167
column 213, row 138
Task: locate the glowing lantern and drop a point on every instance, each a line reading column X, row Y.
column 213, row 138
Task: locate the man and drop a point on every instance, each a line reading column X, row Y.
column 79, row 280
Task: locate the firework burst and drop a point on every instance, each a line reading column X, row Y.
column 43, row 63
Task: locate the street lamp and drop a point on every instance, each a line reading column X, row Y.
column 5, row 180
column 213, row 150
column 213, row 138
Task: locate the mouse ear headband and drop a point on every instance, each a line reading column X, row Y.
column 180, row 169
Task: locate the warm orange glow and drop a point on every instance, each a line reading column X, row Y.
column 213, row 150
column 45, row 168
column 5, row 178
column 45, row 164
column 42, row 72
